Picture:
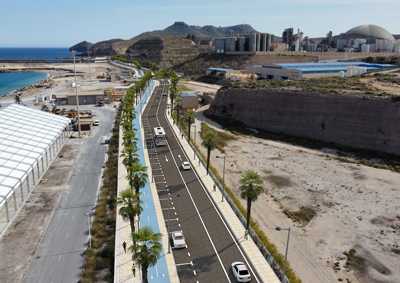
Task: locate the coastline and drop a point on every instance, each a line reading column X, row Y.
column 52, row 79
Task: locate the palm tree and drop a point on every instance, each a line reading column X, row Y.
column 137, row 175
column 172, row 95
column 189, row 118
column 130, row 206
column 177, row 107
column 250, row 189
column 210, row 141
column 146, row 249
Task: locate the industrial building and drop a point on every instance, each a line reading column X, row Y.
column 84, row 98
column 29, row 141
column 189, row 101
column 309, row 70
column 251, row 42
column 221, row 72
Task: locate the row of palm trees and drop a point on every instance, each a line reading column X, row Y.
column 146, row 247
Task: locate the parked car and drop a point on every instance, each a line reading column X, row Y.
column 96, row 123
column 186, row 165
column 241, row 272
column 178, row 239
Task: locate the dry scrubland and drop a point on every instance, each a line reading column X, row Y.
column 344, row 216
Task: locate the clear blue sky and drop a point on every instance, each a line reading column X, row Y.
column 62, row 23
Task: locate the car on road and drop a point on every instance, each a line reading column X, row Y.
column 164, row 93
column 241, row 272
column 96, row 123
column 186, row 165
column 178, row 239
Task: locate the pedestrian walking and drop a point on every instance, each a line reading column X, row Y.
column 215, row 187
column 124, row 245
column 246, row 234
column 134, row 270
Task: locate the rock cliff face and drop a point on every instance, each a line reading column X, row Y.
column 109, row 47
column 360, row 122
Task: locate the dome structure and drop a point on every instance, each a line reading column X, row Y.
column 371, row 30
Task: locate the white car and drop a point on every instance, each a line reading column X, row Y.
column 164, row 93
column 96, row 123
column 186, row 165
column 178, row 239
column 241, row 272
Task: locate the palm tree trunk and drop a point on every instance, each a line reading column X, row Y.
column 208, row 158
column 248, row 213
column 144, row 271
column 132, row 222
column 189, row 133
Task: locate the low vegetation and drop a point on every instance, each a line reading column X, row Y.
column 347, row 85
column 222, row 137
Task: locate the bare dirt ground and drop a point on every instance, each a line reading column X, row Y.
column 20, row 241
column 350, row 206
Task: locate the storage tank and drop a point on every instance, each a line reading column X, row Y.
column 241, row 41
column 251, row 42
column 219, row 45
column 341, row 74
column 263, row 46
column 258, row 42
column 230, row 44
column 268, row 42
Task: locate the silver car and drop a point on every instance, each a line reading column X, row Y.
column 178, row 240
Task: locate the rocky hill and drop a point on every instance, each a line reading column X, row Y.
column 181, row 29
column 81, row 46
column 346, row 119
column 109, row 47
column 165, row 51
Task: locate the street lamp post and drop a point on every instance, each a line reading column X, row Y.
column 194, row 151
column 90, row 237
column 90, row 76
column 287, row 246
column 77, row 98
column 169, row 242
column 223, row 177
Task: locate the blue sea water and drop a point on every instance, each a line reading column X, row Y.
column 10, row 82
column 28, row 53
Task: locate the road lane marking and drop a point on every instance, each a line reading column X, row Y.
column 59, row 258
column 188, row 263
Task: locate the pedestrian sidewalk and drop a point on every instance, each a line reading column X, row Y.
column 252, row 252
column 165, row 270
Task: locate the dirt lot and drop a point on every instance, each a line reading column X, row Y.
column 20, row 241
column 348, row 206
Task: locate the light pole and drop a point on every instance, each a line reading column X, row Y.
column 169, row 242
column 223, row 177
column 90, row 77
column 194, row 151
column 77, row 98
column 90, row 237
column 287, row 246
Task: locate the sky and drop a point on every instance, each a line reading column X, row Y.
column 62, row 23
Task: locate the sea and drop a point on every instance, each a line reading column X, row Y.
column 10, row 82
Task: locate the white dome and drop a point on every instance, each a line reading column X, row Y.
column 371, row 30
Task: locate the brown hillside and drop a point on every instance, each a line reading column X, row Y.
column 165, row 51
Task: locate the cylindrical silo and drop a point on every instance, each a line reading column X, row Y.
column 240, row 43
column 219, row 45
column 258, row 42
column 268, row 42
column 263, row 46
column 251, row 42
column 230, row 44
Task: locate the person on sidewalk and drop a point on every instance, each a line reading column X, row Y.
column 246, row 234
column 134, row 270
column 215, row 187
column 124, row 245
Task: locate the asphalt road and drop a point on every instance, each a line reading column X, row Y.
column 210, row 246
column 60, row 255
